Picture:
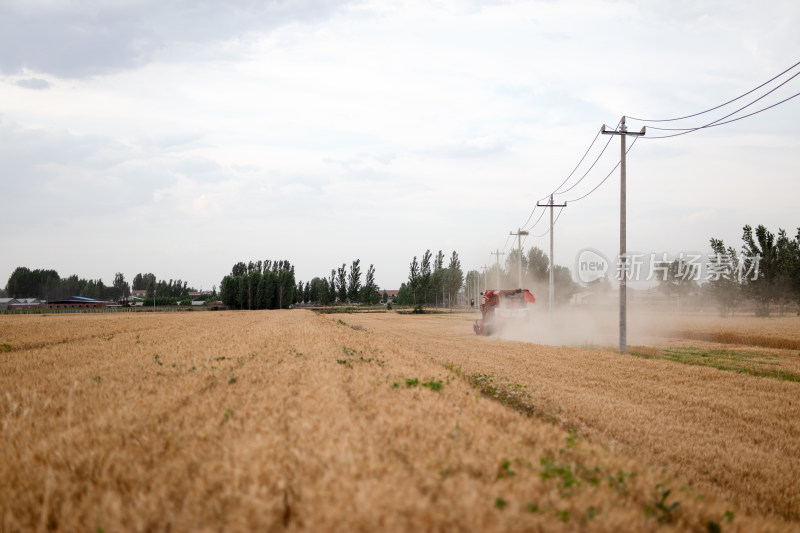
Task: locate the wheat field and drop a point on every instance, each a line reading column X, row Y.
column 288, row 420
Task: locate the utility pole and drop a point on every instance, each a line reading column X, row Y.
column 623, row 327
column 498, row 253
column 519, row 235
column 551, row 205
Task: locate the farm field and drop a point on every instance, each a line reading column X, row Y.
column 277, row 420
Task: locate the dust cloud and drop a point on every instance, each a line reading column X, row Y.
column 584, row 326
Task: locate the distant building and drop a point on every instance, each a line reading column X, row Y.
column 11, row 304
column 77, row 302
column 196, row 294
column 391, row 295
column 5, row 302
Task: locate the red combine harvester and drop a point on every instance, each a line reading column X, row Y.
column 503, row 307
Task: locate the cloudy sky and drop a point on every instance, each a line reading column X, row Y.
column 180, row 137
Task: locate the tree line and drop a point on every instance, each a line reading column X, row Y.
column 430, row 282
column 46, row 284
column 271, row 285
column 259, row 285
column 344, row 286
column 766, row 271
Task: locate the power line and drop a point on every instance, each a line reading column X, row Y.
column 681, row 131
column 590, row 168
column 721, row 105
column 574, row 169
column 714, row 125
column 607, row 176
column 557, row 189
column 506, row 244
column 554, row 223
column 537, row 221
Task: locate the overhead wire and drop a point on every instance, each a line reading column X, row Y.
column 525, row 226
column 720, row 105
column 554, row 223
column 682, row 131
column 718, row 122
column 530, row 216
column 607, row 175
column 576, row 167
column 506, row 244
column 714, row 125
column 528, row 228
column 590, row 168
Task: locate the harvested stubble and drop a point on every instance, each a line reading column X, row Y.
column 725, row 432
column 772, row 332
column 288, row 420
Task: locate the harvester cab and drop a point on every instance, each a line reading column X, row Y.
column 503, row 307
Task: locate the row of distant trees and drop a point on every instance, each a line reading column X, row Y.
column 345, row 286
column 430, row 282
column 271, row 285
column 46, row 284
column 764, row 271
column 259, row 285
column 778, row 270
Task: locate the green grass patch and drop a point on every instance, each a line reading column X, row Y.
column 753, row 362
column 512, row 395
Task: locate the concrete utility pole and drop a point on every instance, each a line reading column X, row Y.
column 498, row 253
column 623, row 327
column 551, row 205
column 519, row 235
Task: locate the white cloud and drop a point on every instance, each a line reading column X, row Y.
column 377, row 130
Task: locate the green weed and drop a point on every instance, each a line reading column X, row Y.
column 512, row 395
column 617, row 481
column 452, row 368
column 434, row 385
column 661, row 510
column 505, row 470
column 572, row 438
column 551, row 470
